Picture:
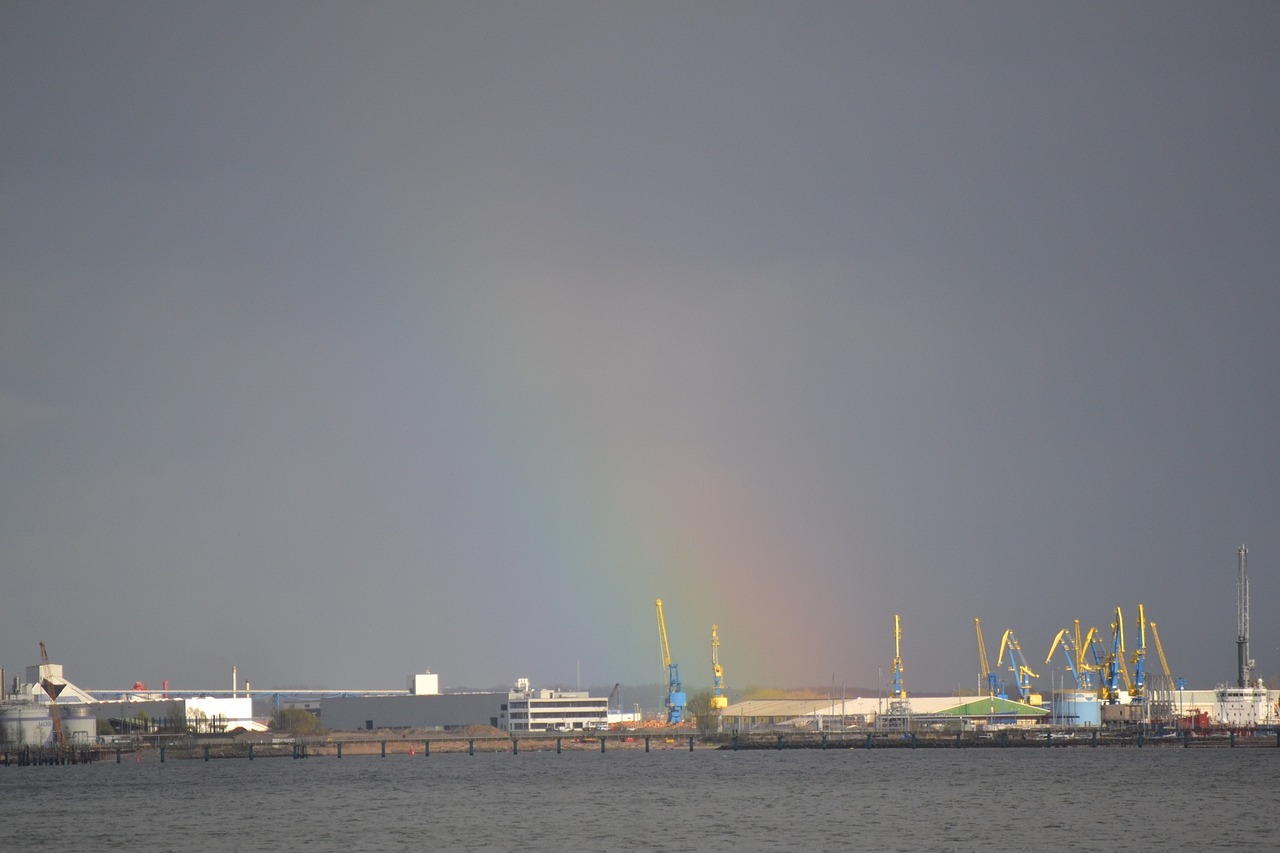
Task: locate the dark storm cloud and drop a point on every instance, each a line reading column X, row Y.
column 336, row 341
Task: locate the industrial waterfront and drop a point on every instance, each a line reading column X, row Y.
column 1109, row 695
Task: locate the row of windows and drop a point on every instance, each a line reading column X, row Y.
column 538, row 714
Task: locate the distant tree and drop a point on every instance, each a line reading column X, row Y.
column 699, row 710
column 197, row 721
column 295, row 721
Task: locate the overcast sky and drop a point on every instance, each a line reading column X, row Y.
column 341, row 341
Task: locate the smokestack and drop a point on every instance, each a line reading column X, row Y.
column 233, row 681
column 1244, row 665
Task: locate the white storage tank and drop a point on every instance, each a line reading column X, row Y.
column 25, row 724
column 1075, row 708
column 79, row 723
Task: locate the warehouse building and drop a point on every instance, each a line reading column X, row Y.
column 441, row 711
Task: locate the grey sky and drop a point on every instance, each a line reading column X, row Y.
column 339, row 341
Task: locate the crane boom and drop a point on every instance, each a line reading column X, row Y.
column 982, row 650
column 663, row 646
column 1170, row 684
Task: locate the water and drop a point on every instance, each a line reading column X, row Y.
column 671, row 800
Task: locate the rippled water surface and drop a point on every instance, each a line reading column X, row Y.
column 1052, row 799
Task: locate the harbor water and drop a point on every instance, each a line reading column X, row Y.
column 668, row 800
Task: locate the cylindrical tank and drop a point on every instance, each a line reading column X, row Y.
column 25, row 724
column 79, row 723
column 1075, row 708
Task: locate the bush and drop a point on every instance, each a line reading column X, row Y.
column 295, row 721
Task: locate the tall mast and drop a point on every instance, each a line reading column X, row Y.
column 1243, row 661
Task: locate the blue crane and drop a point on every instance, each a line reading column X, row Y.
column 1114, row 665
column 676, row 699
column 1018, row 665
column 1138, row 689
column 1076, row 648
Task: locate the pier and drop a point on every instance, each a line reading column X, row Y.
column 358, row 745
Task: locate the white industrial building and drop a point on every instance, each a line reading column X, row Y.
column 143, row 712
column 528, row 710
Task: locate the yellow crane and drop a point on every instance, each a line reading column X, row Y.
column 899, row 685
column 719, row 701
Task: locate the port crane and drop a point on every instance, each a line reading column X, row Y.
column 1093, row 645
column 676, row 699
column 1083, row 677
column 1114, row 664
column 1083, row 644
column 1171, row 683
column 1138, row 687
column 1088, row 671
column 52, row 689
column 995, row 687
column 1018, row 665
column 719, row 701
column 899, row 687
